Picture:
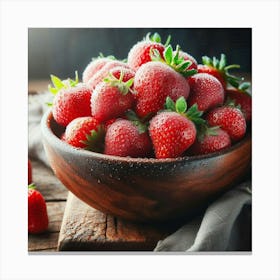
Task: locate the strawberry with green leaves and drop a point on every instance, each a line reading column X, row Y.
column 229, row 119
column 95, row 65
column 219, row 69
column 71, row 100
column 140, row 52
column 210, row 140
column 174, row 131
column 206, row 91
column 128, row 138
column 187, row 57
column 112, row 98
column 86, row 133
column 162, row 77
column 241, row 97
column 100, row 75
column 38, row 220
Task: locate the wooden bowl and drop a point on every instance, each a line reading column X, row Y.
column 140, row 189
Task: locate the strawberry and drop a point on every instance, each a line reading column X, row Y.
column 229, row 119
column 140, row 52
column 37, row 211
column 29, row 172
column 187, row 57
column 95, row 65
column 72, row 100
column 112, row 98
column 206, row 91
column 127, row 138
column 172, row 133
column 211, row 140
column 104, row 71
column 218, row 69
column 240, row 97
column 155, row 80
column 85, row 132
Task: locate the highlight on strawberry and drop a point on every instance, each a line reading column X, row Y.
column 160, row 102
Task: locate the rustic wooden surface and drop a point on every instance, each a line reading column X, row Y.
column 55, row 195
column 85, row 228
column 74, row 226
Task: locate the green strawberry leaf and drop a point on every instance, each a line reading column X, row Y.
column 181, row 105
column 123, row 87
column 95, row 140
column 168, row 54
column 57, row 82
column 32, row 186
column 170, row 104
column 244, row 86
column 156, row 38
column 167, row 41
column 223, row 62
column 141, row 125
column 173, row 59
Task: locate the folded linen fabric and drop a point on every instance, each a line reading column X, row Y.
column 225, row 226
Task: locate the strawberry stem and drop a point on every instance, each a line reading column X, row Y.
column 223, row 68
column 32, row 186
column 124, row 87
column 58, row 84
column 172, row 59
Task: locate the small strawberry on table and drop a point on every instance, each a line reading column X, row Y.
column 37, row 211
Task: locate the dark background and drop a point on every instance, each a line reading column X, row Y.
column 61, row 51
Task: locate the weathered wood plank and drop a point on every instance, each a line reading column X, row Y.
column 46, row 182
column 85, row 228
column 55, row 214
column 48, row 240
column 45, row 241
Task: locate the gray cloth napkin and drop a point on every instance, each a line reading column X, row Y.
column 225, row 225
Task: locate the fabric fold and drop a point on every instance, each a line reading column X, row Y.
column 214, row 230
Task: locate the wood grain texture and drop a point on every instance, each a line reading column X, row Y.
column 85, row 228
column 50, row 187
column 55, row 195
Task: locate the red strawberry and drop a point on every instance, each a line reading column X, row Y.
column 37, row 211
column 94, row 66
column 140, row 52
column 85, row 132
column 153, row 82
column 29, row 172
column 218, row 69
column 240, row 97
column 124, row 72
column 206, row 91
column 188, row 57
column 72, row 100
column 112, row 98
column 103, row 73
column 127, row 139
column 172, row 133
column 162, row 77
column 213, row 139
column 229, row 119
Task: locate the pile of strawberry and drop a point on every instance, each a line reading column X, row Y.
column 158, row 103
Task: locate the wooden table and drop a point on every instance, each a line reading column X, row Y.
column 55, row 195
